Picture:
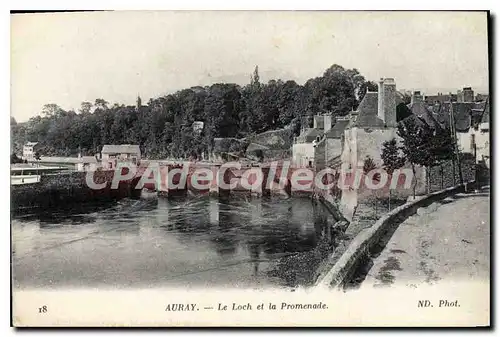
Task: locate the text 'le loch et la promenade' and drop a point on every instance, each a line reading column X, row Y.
column 247, row 306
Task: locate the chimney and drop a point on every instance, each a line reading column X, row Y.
column 387, row 101
column 327, row 123
column 380, row 109
column 468, row 94
column 416, row 96
column 318, row 122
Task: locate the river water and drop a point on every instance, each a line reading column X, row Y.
column 202, row 242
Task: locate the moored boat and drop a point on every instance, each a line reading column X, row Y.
column 24, row 174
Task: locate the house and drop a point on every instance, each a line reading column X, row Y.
column 471, row 121
column 112, row 154
column 473, row 132
column 374, row 122
column 465, row 95
column 303, row 145
column 328, row 150
column 29, row 150
column 421, row 111
column 197, row 127
column 482, row 140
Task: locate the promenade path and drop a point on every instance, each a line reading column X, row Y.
column 448, row 240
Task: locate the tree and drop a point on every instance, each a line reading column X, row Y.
column 101, row 104
column 255, row 79
column 442, row 149
column 368, row 166
column 51, row 110
column 416, row 147
column 14, row 159
column 392, row 160
column 13, row 121
column 85, row 107
column 366, row 86
column 162, row 127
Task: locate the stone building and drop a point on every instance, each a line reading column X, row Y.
column 374, row 123
column 111, row 155
column 29, row 150
column 360, row 136
column 303, row 148
column 465, row 95
column 197, row 127
column 472, row 133
column 328, row 149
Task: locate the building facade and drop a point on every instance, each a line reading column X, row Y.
column 29, row 150
column 303, row 148
column 374, row 123
column 111, row 155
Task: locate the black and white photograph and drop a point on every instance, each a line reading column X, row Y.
column 250, row 168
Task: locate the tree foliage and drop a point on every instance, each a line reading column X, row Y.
column 163, row 127
column 391, row 156
column 423, row 145
column 14, row 159
column 368, row 165
column 392, row 159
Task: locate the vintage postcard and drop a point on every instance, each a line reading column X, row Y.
column 250, row 169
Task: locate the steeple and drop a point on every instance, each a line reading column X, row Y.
column 139, row 103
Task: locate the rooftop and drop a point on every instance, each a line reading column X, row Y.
column 486, row 113
column 124, row 148
column 338, row 129
column 462, row 112
column 421, row 110
column 368, row 110
column 309, row 135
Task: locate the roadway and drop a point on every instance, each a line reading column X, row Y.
column 448, row 240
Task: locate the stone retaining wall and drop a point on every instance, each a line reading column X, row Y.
column 67, row 188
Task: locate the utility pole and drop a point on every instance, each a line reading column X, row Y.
column 452, row 137
column 455, row 140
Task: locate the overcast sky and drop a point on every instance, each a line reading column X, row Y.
column 69, row 58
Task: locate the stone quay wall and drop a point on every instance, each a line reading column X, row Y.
column 63, row 189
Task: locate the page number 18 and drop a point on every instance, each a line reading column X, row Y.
column 42, row 310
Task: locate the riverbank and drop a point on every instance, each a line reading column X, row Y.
column 69, row 188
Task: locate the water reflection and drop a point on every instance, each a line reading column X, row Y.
column 201, row 241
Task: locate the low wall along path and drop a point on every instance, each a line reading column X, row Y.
column 360, row 247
